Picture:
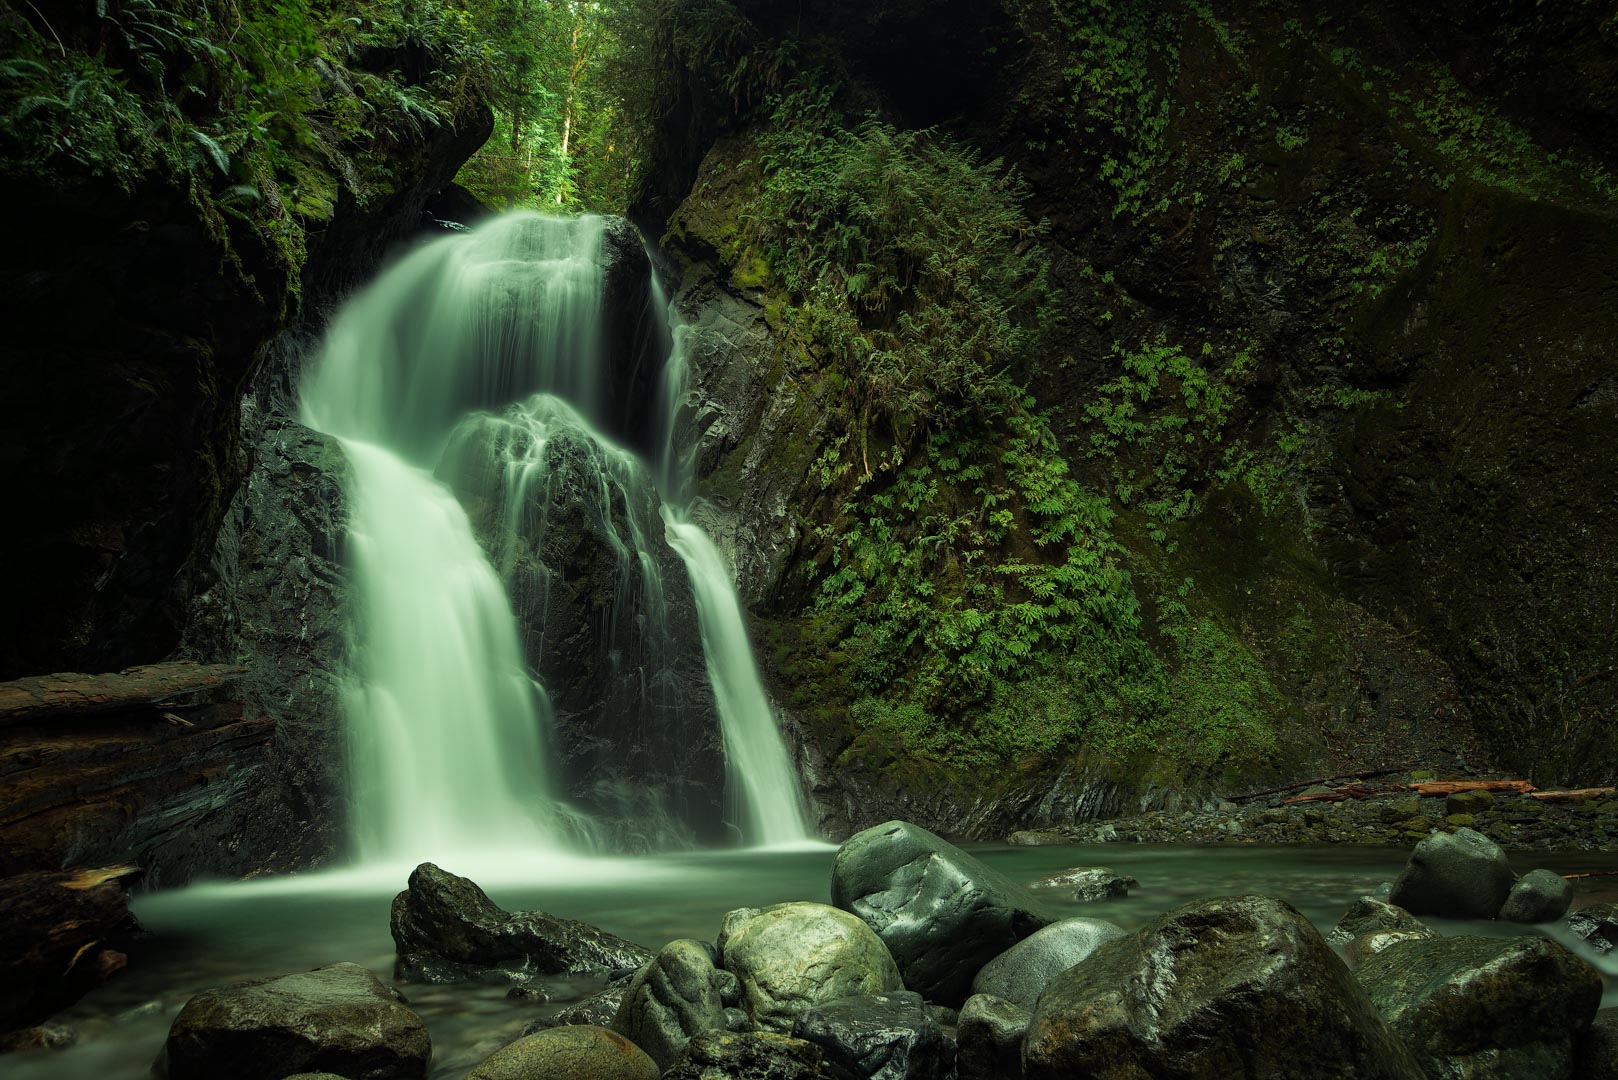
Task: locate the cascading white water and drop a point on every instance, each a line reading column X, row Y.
column 763, row 795
column 448, row 725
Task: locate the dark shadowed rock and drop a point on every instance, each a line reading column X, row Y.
column 1484, row 1008
column 1459, row 875
column 1596, row 925
column 568, row 1053
column 757, row 1055
column 336, row 1019
column 597, row 1010
column 1538, row 896
column 60, row 937
column 1088, row 883
column 1371, row 942
column 1215, row 990
column 677, row 995
column 941, row 912
column 1368, row 914
column 1596, row 1057
column 793, row 956
column 446, row 929
column 1021, row 973
column 988, row 1039
column 889, row 1036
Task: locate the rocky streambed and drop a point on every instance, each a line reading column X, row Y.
column 928, row 964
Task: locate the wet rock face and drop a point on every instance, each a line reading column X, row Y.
column 879, row 1037
column 447, row 929
column 1239, row 987
column 1460, row 875
column 677, row 995
column 1596, row 925
column 573, row 525
column 941, row 912
column 989, row 1039
column 1368, row 914
column 791, row 957
column 337, row 1019
column 1083, row 883
column 757, row 1055
column 1021, row 973
column 1483, row 1008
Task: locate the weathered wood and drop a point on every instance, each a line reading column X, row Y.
column 77, row 694
column 1450, row 787
column 1573, row 796
column 1368, row 774
column 1347, row 791
column 59, row 938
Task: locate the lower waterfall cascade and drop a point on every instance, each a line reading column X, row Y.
column 469, row 385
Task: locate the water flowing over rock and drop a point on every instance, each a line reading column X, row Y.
column 1215, row 990
column 1480, row 1008
column 447, row 929
column 941, row 912
column 334, row 1019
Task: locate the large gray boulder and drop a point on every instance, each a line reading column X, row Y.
column 678, row 995
column 889, row 1036
column 1368, row 914
column 941, row 912
column 792, row 956
column 1242, row 987
column 446, row 929
column 1021, row 973
column 568, row 1053
column 337, row 1019
column 1539, row 896
column 1459, row 875
column 988, row 1039
column 754, row 1055
column 1477, row 1008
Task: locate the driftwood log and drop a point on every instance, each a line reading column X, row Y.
column 1451, row 787
column 60, row 934
column 67, row 694
column 1573, row 796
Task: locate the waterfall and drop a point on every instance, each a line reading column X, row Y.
column 494, row 523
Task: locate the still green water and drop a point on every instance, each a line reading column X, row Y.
column 208, row 935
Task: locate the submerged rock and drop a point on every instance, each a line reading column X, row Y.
column 678, row 995
column 1460, row 875
column 1596, row 925
column 1088, row 883
column 447, row 929
column 1369, row 914
column 597, row 1010
column 888, row 1036
column 1215, row 990
column 1479, row 1008
column 336, row 1019
column 1021, row 973
column 568, row 1053
column 942, row 913
column 988, row 1039
column 793, row 956
column 1538, row 896
column 758, row 1055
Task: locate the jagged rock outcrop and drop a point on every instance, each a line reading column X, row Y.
column 60, row 937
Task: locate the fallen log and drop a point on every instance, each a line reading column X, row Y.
column 1347, row 791
column 1366, row 775
column 1450, row 787
column 65, row 694
column 1572, row 796
column 59, row 938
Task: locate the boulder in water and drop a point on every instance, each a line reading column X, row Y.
column 888, row 1036
column 1596, row 925
column 1459, row 875
column 757, row 1055
column 1021, row 973
column 942, row 913
column 988, row 1039
column 1485, row 1008
column 568, row 1053
column 1369, row 914
column 1539, row 896
column 1088, row 883
column 597, row 1010
column 336, row 1019
column 792, row 956
column 1596, row 1057
column 447, row 929
column 677, row 995
column 1215, row 990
